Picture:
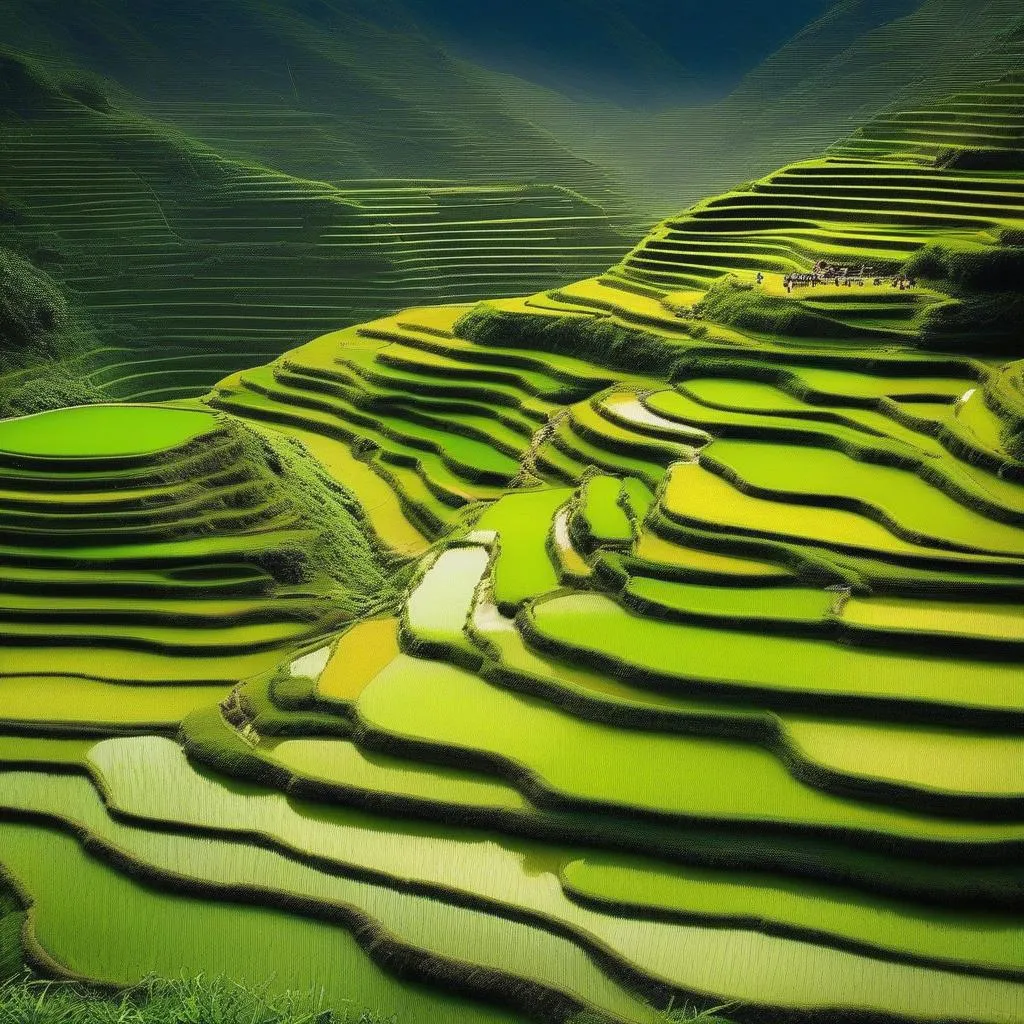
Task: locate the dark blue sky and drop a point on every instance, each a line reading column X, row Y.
column 640, row 51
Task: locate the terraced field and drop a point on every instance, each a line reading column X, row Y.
column 189, row 263
column 947, row 174
column 151, row 556
column 658, row 640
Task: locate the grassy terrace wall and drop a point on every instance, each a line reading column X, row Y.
column 574, row 657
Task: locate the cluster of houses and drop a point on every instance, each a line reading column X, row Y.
column 825, row 273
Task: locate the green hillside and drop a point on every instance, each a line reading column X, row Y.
column 934, row 192
column 324, row 89
column 651, row 641
column 157, row 224
column 857, row 59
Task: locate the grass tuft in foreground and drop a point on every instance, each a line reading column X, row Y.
column 202, row 1000
column 198, row 1000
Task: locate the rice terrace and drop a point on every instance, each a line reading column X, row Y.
column 511, row 512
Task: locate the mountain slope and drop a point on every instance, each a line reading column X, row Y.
column 859, row 57
column 636, row 54
column 386, row 99
column 156, row 237
column 933, row 191
column 338, row 164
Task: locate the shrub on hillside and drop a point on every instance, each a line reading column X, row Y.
column 288, row 564
column 981, row 159
column 35, row 321
column 87, row 91
column 11, row 921
column 340, row 551
column 23, row 87
column 1004, row 392
column 54, row 387
column 8, row 211
column 970, row 266
column 987, row 316
column 985, row 324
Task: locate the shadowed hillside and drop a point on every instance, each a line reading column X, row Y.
column 180, row 262
column 628, row 53
column 859, row 57
column 335, row 90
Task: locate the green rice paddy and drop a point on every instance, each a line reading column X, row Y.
column 96, row 934
column 97, row 431
column 648, row 642
column 691, row 657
